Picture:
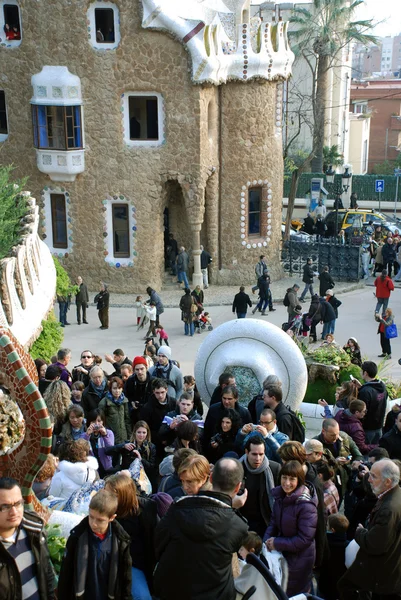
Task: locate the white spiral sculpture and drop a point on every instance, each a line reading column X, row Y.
column 252, row 344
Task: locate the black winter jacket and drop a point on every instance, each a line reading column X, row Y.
column 153, row 413
column 241, row 302
column 206, row 529
column 308, row 274
column 90, row 400
column 137, row 391
column 326, row 283
column 374, row 394
column 391, row 441
column 74, row 566
column 284, row 420
column 377, row 566
column 10, row 580
column 326, row 311
column 214, row 416
column 102, row 300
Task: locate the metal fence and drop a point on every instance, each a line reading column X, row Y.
column 363, row 185
column 343, row 260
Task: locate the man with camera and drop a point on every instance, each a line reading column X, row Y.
column 229, row 399
column 184, row 412
column 260, row 477
column 268, row 430
column 377, row 565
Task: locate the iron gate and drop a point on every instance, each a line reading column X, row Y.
column 343, row 260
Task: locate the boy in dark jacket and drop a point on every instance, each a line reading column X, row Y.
column 334, row 566
column 97, row 562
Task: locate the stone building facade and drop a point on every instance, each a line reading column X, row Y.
column 162, row 123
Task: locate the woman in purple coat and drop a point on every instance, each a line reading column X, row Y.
column 292, row 526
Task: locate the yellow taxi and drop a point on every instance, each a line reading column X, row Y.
column 357, row 217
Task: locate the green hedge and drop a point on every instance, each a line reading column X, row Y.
column 363, row 185
column 49, row 340
column 321, row 388
column 13, row 207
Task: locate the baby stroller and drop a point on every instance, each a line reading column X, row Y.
column 276, row 591
column 203, row 321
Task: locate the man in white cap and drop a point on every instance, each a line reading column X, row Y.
column 314, row 450
column 166, row 369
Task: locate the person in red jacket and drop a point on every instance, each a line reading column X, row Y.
column 384, row 287
column 349, row 421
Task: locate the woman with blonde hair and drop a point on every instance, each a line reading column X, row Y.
column 194, row 473
column 138, row 516
column 57, row 398
column 138, row 446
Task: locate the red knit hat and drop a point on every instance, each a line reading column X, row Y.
column 139, row 360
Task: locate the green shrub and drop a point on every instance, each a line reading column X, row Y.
column 49, row 340
column 56, row 543
column 64, row 288
column 13, row 207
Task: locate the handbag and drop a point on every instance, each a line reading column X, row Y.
column 391, row 331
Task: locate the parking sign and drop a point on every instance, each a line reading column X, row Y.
column 379, row 186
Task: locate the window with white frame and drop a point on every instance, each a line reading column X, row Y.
column 143, row 114
column 3, row 117
column 120, row 231
column 10, row 23
column 56, row 225
column 59, row 220
column 360, row 108
column 104, row 25
column 57, row 127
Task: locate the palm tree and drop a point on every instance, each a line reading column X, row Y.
column 320, row 35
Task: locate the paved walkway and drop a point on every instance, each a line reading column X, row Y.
column 223, row 295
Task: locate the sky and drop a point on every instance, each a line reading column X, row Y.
column 386, row 12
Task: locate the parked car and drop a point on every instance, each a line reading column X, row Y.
column 357, row 218
column 297, row 236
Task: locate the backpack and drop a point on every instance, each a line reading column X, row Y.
column 298, row 430
column 286, row 300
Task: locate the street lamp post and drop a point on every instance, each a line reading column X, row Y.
column 330, row 173
column 347, row 185
column 397, row 173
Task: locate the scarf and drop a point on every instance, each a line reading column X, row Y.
column 162, row 369
column 117, row 401
column 98, row 389
column 264, row 468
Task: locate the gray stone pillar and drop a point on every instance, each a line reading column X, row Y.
column 197, row 278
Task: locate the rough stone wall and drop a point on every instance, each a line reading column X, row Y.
column 55, row 33
column 251, row 151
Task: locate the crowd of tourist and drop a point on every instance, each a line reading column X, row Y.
column 171, row 499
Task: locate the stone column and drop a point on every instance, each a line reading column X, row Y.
column 197, row 278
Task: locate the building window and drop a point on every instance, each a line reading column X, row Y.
column 57, row 127
column 121, row 230
column 59, row 220
column 143, row 115
column 10, row 23
column 143, row 118
column 104, row 20
column 254, row 211
column 360, row 108
column 104, row 25
column 3, row 117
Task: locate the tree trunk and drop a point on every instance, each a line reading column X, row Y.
column 291, row 202
column 320, row 113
